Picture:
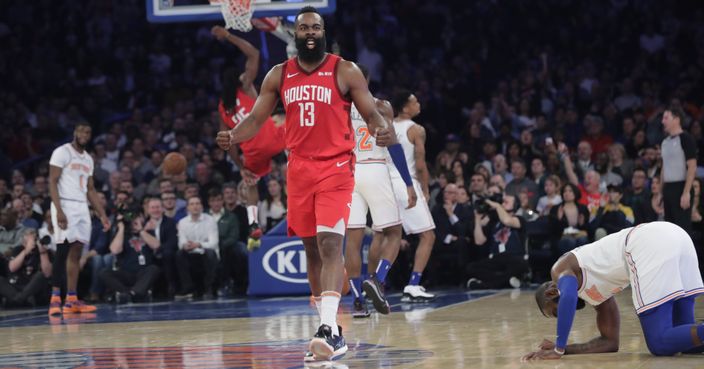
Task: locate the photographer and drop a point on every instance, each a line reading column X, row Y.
column 134, row 249
column 29, row 271
column 496, row 226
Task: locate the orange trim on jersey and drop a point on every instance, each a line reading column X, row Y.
column 659, row 302
column 372, row 161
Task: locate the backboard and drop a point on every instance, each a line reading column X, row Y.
column 169, row 11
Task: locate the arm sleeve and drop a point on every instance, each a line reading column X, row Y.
column 397, row 156
column 566, row 309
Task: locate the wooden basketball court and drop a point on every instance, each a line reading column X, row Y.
column 459, row 330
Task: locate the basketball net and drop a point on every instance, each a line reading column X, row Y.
column 237, row 13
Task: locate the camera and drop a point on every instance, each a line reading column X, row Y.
column 482, row 207
column 128, row 214
column 45, row 241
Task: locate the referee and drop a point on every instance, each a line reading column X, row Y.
column 679, row 153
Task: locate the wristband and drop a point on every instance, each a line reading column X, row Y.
column 559, row 351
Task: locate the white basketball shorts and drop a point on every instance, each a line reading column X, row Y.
column 79, row 223
column 416, row 219
column 662, row 264
column 373, row 193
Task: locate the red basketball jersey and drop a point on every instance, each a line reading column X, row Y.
column 267, row 135
column 318, row 124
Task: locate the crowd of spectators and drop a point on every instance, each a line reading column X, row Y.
column 550, row 109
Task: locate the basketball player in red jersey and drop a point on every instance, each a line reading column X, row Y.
column 317, row 89
column 238, row 96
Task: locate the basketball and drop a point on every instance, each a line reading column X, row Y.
column 174, row 163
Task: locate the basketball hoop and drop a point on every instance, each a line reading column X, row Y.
column 237, row 13
column 268, row 24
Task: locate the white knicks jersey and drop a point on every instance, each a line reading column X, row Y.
column 401, row 127
column 604, row 268
column 76, row 168
column 365, row 149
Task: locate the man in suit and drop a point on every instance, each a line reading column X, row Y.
column 163, row 231
column 454, row 223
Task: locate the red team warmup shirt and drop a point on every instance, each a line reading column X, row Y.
column 320, row 140
column 259, row 149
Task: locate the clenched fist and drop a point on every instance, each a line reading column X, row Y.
column 224, row 140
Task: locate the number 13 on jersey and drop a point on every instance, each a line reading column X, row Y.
column 307, row 114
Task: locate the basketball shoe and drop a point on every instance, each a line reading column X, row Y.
column 325, row 346
column 416, row 294
column 75, row 306
column 375, row 291
column 360, row 308
column 55, row 305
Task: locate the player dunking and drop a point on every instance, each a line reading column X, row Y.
column 70, row 188
column 657, row 260
column 317, row 90
column 373, row 192
column 416, row 220
column 238, row 96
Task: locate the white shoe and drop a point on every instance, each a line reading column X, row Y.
column 514, row 282
column 416, row 294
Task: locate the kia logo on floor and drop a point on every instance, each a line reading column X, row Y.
column 286, row 262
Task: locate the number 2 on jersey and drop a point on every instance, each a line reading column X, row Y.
column 363, row 143
column 307, row 114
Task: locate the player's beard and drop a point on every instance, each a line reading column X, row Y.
column 313, row 55
column 79, row 144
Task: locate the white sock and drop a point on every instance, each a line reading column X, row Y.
column 252, row 214
column 316, row 301
column 330, row 300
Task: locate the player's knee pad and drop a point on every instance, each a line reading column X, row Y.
column 658, row 347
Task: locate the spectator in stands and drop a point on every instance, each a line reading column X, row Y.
column 23, row 215
column 501, row 168
column 272, row 209
column 11, row 231
column 584, row 159
column 504, row 239
column 169, row 201
column 29, row 271
column 637, row 197
column 612, row 216
column 161, row 230
column 619, row 164
column 521, row 183
column 595, row 135
column 590, row 194
column 552, row 195
column 198, row 248
column 5, row 196
column 569, row 220
column 232, row 252
column 477, row 186
column 457, row 175
column 134, row 250
column 453, row 227
column 463, row 196
column 498, row 181
column 538, row 175
column 230, row 196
